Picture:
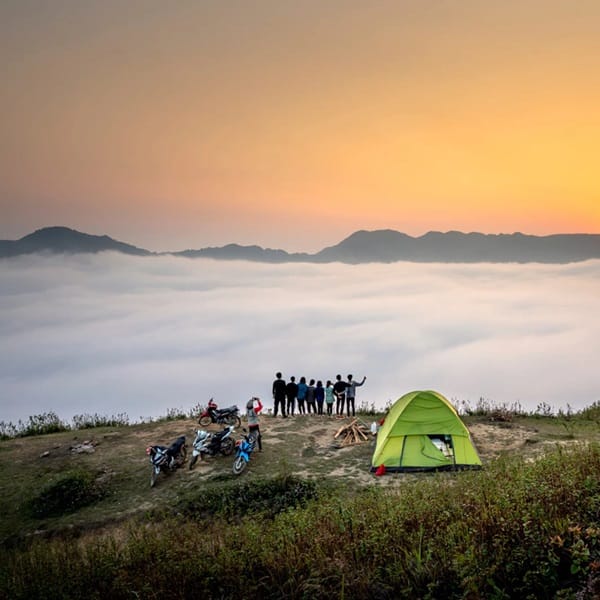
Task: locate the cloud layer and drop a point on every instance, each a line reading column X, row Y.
column 109, row 334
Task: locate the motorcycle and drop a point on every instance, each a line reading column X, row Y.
column 166, row 459
column 223, row 416
column 211, row 444
column 243, row 450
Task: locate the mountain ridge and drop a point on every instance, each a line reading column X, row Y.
column 63, row 240
column 381, row 246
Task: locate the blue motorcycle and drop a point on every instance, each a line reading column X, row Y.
column 243, row 449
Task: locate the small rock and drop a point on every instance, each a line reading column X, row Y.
column 44, row 454
column 83, row 448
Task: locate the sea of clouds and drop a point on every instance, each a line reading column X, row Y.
column 110, row 333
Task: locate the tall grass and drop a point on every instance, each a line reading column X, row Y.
column 40, row 424
column 514, row 530
column 88, row 421
column 50, row 422
column 507, row 411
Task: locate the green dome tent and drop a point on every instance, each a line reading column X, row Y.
column 423, row 432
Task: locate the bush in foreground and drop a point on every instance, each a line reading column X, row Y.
column 235, row 499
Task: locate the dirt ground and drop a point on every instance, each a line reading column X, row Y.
column 306, row 446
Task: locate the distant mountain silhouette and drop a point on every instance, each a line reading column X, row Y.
column 253, row 253
column 361, row 247
column 66, row 241
column 454, row 246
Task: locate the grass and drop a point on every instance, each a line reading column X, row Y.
column 306, row 520
column 514, row 530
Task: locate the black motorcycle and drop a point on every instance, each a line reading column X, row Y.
column 211, row 444
column 222, row 416
column 166, row 459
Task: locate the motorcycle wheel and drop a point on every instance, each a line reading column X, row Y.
column 153, row 477
column 239, row 464
column 181, row 456
column 205, row 421
column 193, row 461
column 227, row 446
column 235, row 421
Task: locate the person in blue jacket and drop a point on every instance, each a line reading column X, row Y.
column 302, row 389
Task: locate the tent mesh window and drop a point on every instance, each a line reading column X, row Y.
column 444, row 444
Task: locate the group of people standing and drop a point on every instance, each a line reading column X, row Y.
column 313, row 397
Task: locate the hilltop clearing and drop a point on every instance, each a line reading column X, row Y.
column 302, row 446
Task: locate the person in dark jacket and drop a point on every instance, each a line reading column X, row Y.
column 319, row 397
column 339, row 389
column 279, row 395
column 310, row 398
column 291, row 391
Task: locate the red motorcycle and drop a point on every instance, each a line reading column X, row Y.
column 222, row 416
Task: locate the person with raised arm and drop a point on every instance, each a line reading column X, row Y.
column 351, row 386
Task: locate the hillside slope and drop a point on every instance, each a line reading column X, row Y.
column 303, row 446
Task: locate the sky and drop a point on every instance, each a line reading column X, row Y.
column 109, row 334
column 292, row 124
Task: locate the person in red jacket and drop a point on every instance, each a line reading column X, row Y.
column 253, row 408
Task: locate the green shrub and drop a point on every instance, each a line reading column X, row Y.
column 268, row 496
column 543, row 409
column 8, row 430
column 175, row 414
column 366, row 409
column 195, row 411
column 42, row 424
column 36, row 425
column 65, row 493
column 490, row 409
column 172, row 414
column 592, row 412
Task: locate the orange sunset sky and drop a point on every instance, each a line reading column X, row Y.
column 291, row 124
